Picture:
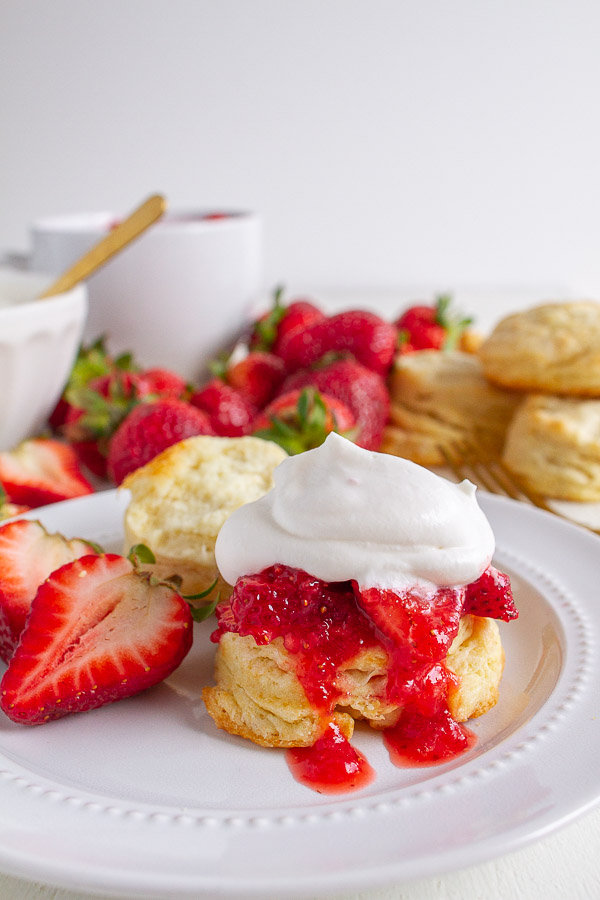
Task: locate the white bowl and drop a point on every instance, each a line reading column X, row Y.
column 177, row 295
column 38, row 344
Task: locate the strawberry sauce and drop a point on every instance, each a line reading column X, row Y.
column 325, row 625
column 331, row 765
column 418, row 740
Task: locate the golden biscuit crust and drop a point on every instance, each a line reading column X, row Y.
column 441, row 399
column 553, row 447
column 258, row 695
column 553, row 348
column 180, row 500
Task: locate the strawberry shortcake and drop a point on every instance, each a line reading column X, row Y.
column 363, row 589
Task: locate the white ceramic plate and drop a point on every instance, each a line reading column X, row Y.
column 147, row 798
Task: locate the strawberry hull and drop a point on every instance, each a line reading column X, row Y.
column 98, row 631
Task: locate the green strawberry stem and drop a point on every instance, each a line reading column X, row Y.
column 304, row 427
column 453, row 324
column 265, row 329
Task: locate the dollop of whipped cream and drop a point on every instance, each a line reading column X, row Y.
column 340, row 513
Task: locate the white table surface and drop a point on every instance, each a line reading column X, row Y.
column 564, row 864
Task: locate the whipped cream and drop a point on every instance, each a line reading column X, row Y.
column 340, row 513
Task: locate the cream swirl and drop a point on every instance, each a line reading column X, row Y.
column 340, row 512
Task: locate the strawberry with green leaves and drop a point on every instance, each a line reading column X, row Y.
column 40, row 471
column 434, row 327
column 273, row 327
column 28, row 555
column 301, row 420
column 97, row 409
column 93, row 361
column 361, row 390
column 99, row 630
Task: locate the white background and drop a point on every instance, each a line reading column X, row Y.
column 441, row 142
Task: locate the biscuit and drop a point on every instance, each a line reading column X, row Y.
column 443, row 399
column 259, row 697
column 181, row 498
column 553, row 447
column 554, row 348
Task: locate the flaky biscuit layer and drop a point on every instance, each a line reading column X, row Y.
column 442, row 399
column 258, row 695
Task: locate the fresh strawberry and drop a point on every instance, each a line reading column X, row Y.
column 301, row 420
column 8, row 509
column 98, row 630
column 430, row 327
column 164, row 383
column 92, row 361
column 271, row 328
column 41, row 471
column 148, row 430
column 298, row 315
column 370, row 339
column 361, row 390
column 258, row 377
column 491, row 596
column 28, row 555
column 95, row 412
column 230, row 413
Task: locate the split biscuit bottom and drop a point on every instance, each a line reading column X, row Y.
column 180, row 500
column 553, row 348
column 258, row 695
column 443, row 399
column 553, row 447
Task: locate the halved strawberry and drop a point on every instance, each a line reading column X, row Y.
column 301, row 420
column 491, row 596
column 41, row 471
column 99, row 630
column 28, row 555
column 8, row 509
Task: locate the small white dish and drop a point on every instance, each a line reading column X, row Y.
column 146, row 798
column 38, row 344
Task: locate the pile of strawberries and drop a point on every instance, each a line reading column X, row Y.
column 80, row 628
column 296, row 376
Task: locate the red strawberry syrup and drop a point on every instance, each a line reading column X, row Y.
column 418, row 740
column 323, row 626
column 331, row 765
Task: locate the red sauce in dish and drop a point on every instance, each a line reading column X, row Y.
column 331, row 766
column 325, row 625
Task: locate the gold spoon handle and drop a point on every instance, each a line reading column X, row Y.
column 130, row 228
